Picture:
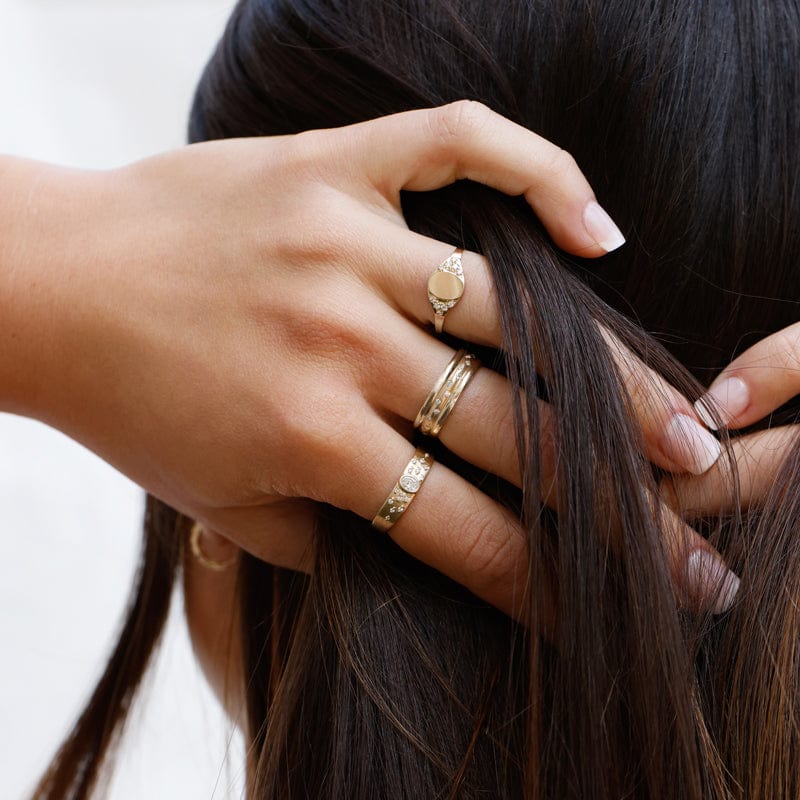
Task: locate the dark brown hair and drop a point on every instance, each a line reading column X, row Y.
column 379, row 678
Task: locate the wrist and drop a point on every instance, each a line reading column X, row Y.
column 46, row 213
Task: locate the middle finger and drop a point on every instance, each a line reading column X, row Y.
column 674, row 438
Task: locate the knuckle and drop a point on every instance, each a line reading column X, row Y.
column 331, row 332
column 460, row 121
column 560, row 163
column 499, row 413
column 320, row 441
column 787, row 352
column 304, row 149
column 312, row 233
column 492, row 556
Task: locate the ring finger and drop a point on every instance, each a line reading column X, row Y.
column 450, row 525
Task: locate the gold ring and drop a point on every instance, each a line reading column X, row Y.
column 445, row 287
column 448, row 388
column 197, row 551
column 405, row 490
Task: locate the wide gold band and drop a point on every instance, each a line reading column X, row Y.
column 197, row 551
column 405, row 490
column 445, row 287
column 448, row 388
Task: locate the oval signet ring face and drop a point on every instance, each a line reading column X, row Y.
column 445, row 287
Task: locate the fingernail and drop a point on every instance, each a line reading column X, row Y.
column 730, row 397
column 689, row 444
column 711, row 582
column 601, row 227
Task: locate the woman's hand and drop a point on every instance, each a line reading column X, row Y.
column 243, row 327
column 752, row 386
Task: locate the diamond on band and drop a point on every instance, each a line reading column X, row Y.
column 408, row 483
column 404, row 491
column 445, row 287
column 448, row 388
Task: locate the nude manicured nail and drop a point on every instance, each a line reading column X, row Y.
column 689, row 444
column 601, row 227
column 730, row 397
column 711, row 582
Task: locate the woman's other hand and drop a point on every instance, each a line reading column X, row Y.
column 243, row 326
column 750, row 388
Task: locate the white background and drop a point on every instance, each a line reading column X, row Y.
column 93, row 84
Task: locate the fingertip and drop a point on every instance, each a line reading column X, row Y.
column 725, row 401
column 601, row 229
column 690, row 445
column 586, row 231
column 711, row 585
column 704, row 411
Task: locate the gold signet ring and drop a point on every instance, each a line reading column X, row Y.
column 445, row 287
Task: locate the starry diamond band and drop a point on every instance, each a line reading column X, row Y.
column 405, row 490
column 442, row 399
column 445, row 287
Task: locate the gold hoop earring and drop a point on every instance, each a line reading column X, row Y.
column 197, row 551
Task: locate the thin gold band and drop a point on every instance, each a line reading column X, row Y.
column 443, row 397
column 405, row 490
column 197, row 551
column 437, row 387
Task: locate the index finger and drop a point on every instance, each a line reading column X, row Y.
column 760, row 380
column 430, row 148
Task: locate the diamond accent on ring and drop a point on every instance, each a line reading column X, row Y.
column 409, row 483
column 404, row 491
column 445, row 287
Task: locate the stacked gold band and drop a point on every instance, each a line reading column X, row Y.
column 405, row 490
column 443, row 397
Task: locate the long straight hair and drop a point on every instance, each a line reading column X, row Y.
column 379, row 678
